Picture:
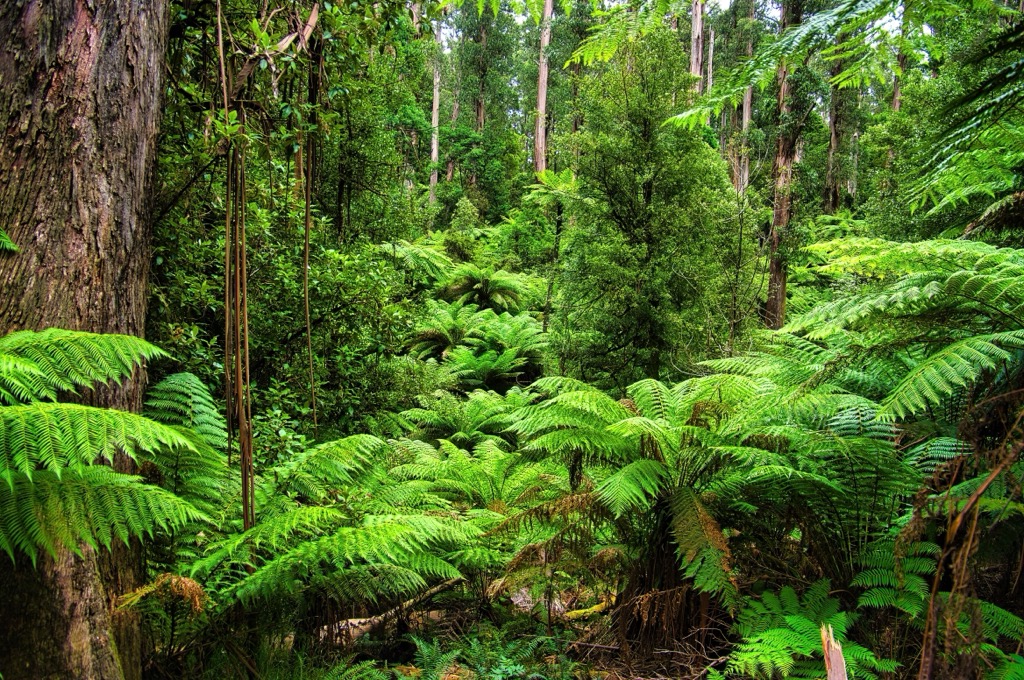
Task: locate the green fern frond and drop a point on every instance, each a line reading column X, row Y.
column 419, row 259
column 634, row 487
column 92, row 505
column 316, row 472
column 182, row 399
column 72, row 359
column 59, row 437
column 362, row 670
column 6, row 244
column 950, row 369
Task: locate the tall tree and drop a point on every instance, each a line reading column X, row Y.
column 79, row 112
column 435, row 115
column 790, row 127
column 835, row 128
column 743, row 175
column 540, row 135
column 697, row 43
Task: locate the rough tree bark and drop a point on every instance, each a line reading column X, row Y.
column 782, row 172
column 540, row 137
column 80, row 87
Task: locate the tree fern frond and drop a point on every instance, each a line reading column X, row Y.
column 6, row 244
column 58, row 437
column 182, row 399
column 950, row 369
column 420, row 259
column 93, row 505
column 634, row 487
column 75, row 359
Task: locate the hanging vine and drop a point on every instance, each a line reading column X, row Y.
column 237, row 394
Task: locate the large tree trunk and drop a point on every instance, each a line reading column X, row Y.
column 540, row 136
column 901, row 66
column 435, row 117
column 80, row 90
column 782, row 172
column 481, row 70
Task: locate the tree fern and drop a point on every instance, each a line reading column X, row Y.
column 423, row 260
column 952, row 368
column 499, row 290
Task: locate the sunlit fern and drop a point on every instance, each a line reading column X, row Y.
column 55, row 491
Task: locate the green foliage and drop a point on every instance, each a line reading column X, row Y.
column 56, row 494
column 6, row 244
column 651, row 461
column 486, row 288
column 640, row 286
column 782, row 636
column 38, row 365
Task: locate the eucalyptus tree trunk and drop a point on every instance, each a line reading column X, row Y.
column 782, row 172
column 435, row 117
column 711, row 59
column 743, row 176
column 480, row 103
column 832, row 183
column 540, row 134
column 901, row 65
column 697, row 43
column 80, row 87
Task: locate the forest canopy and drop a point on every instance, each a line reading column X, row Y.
column 590, row 339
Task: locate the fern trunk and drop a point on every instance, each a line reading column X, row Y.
column 79, row 113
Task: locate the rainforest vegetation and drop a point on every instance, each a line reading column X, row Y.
column 382, row 339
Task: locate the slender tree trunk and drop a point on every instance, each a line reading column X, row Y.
column 711, row 59
column 697, row 43
column 743, row 176
column 901, row 65
column 832, row 183
column 450, row 170
column 480, row 103
column 435, row 117
column 540, row 136
column 897, row 88
column 481, row 95
column 782, row 172
column 79, row 113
